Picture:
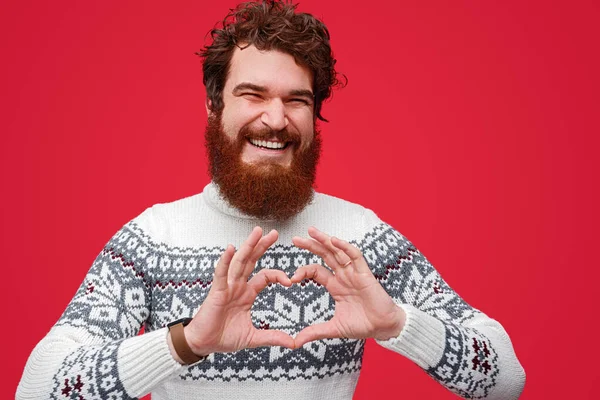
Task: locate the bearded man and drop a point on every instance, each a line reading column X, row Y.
column 228, row 314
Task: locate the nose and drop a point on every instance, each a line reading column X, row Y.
column 274, row 115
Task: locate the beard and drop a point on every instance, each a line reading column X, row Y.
column 266, row 190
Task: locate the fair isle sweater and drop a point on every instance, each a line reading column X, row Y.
column 159, row 266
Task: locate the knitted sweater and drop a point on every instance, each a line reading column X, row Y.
column 158, row 268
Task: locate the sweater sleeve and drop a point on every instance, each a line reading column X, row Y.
column 94, row 350
column 456, row 344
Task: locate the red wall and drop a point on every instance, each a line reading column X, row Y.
column 472, row 127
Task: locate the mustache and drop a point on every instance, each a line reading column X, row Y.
column 267, row 133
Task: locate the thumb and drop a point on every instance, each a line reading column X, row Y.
column 269, row 337
column 325, row 330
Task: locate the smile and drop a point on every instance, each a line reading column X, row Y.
column 266, row 144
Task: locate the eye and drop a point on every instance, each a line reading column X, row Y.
column 299, row 101
column 252, row 96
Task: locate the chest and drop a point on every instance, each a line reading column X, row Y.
column 181, row 282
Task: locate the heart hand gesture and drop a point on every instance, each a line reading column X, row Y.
column 362, row 307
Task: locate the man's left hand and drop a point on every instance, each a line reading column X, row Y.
column 363, row 309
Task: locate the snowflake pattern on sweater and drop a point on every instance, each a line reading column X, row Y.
column 161, row 284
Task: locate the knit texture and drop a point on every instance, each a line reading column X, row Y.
column 159, row 266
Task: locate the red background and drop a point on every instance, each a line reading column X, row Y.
column 470, row 126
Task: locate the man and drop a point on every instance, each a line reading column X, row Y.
column 257, row 319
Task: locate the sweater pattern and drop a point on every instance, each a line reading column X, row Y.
column 162, row 283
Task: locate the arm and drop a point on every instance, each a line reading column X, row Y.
column 93, row 351
column 459, row 346
column 394, row 295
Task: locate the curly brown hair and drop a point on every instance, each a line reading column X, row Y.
column 270, row 25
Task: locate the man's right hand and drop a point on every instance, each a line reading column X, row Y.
column 223, row 323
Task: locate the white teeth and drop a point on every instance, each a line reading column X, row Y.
column 268, row 145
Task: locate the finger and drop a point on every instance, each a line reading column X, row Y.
column 261, row 280
column 316, row 248
column 323, row 330
column 317, row 272
column 222, row 268
column 269, row 337
column 236, row 270
column 352, row 252
column 325, row 240
column 259, row 250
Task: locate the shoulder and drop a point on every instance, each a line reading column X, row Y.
column 161, row 220
column 333, row 212
column 336, row 204
column 341, row 207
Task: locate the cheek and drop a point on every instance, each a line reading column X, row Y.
column 236, row 116
column 305, row 124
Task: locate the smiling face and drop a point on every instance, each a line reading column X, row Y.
column 268, row 97
column 262, row 146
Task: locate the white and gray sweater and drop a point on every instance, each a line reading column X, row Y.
column 158, row 268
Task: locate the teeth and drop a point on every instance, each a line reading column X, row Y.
column 267, row 144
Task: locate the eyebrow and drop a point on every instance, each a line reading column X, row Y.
column 303, row 93
column 261, row 89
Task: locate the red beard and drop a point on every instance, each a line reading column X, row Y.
column 265, row 190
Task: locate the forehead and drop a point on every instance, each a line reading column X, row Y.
column 272, row 69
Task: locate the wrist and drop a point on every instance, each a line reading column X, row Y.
column 197, row 350
column 398, row 320
column 179, row 344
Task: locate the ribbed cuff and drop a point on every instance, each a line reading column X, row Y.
column 145, row 361
column 422, row 340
